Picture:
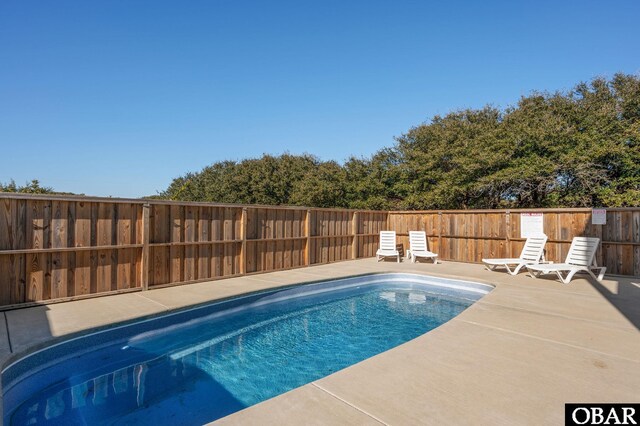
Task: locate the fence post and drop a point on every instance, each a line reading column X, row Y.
column 243, row 235
column 354, row 231
column 307, row 230
column 144, row 267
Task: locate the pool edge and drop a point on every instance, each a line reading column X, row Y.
column 13, row 358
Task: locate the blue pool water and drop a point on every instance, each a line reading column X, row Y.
column 196, row 366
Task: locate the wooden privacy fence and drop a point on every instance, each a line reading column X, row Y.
column 470, row 235
column 61, row 248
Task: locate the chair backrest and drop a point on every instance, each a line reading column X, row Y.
column 533, row 248
column 417, row 241
column 388, row 240
column 582, row 251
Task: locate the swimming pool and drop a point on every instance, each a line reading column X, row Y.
column 194, row 366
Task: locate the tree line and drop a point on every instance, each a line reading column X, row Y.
column 579, row 148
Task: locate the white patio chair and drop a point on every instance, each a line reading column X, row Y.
column 532, row 253
column 387, row 246
column 418, row 247
column 581, row 258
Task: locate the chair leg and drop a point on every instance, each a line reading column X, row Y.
column 600, row 276
column 515, row 271
column 568, row 277
column 398, row 257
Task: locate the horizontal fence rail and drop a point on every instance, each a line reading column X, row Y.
column 55, row 248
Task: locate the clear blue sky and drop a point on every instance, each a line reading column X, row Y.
column 119, row 97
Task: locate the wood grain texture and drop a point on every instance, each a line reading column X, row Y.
column 203, row 235
column 143, row 236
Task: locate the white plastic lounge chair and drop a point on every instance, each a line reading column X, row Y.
column 418, row 247
column 387, row 246
column 581, row 258
column 532, row 253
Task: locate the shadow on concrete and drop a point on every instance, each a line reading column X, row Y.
column 25, row 328
column 627, row 298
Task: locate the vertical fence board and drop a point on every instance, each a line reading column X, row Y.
column 59, row 265
column 251, row 257
column 144, row 236
column 176, row 252
column 190, row 251
column 82, row 232
column 229, row 234
column 204, row 250
column 124, row 227
column 35, row 262
column 7, row 277
column 161, row 233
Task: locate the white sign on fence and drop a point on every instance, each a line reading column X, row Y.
column 599, row 217
column 531, row 224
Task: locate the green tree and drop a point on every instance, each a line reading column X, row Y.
column 445, row 161
column 321, row 186
column 265, row 180
column 32, row 187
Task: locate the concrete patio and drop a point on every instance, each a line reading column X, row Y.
column 515, row 357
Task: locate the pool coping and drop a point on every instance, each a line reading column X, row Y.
column 598, row 329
